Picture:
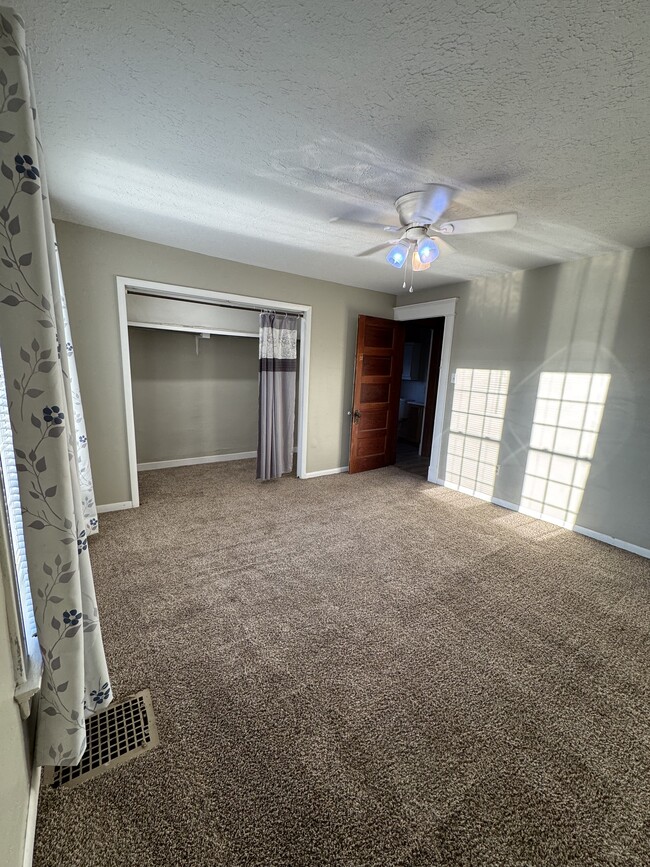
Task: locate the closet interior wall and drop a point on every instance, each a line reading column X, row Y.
column 188, row 405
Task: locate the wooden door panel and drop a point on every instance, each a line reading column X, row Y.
column 373, row 419
column 377, row 381
column 374, row 392
column 376, row 365
column 377, row 335
column 372, row 445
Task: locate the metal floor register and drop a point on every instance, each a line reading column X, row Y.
column 114, row 735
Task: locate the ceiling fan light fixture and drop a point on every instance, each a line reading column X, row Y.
column 427, row 250
column 397, row 255
column 418, row 264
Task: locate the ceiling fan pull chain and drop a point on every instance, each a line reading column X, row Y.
column 407, row 267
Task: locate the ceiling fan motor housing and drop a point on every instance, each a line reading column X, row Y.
column 407, row 208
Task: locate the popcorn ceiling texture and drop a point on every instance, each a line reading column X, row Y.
column 363, row 671
column 201, row 125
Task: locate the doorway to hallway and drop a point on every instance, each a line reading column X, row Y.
column 418, row 393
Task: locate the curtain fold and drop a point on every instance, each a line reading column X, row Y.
column 77, row 420
column 277, row 394
column 47, row 424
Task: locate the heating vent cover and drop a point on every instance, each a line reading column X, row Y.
column 114, row 735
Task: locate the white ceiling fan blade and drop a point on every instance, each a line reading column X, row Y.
column 473, row 225
column 376, row 249
column 343, row 222
column 434, row 201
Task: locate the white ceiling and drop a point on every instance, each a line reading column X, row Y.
column 239, row 129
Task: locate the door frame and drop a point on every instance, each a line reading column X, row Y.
column 224, row 299
column 432, row 310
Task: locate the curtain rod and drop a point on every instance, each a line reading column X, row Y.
column 216, row 304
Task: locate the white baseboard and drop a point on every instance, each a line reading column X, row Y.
column 114, row 507
column 32, row 809
column 332, row 472
column 611, row 540
column 584, row 531
column 189, row 462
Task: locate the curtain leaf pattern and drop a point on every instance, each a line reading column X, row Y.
column 46, row 421
column 277, row 394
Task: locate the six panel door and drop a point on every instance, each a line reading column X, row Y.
column 377, row 382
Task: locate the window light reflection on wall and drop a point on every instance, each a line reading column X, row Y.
column 477, row 414
column 568, row 414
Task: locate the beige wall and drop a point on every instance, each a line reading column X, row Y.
column 14, row 749
column 588, row 316
column 91, row 259
column 188, row 405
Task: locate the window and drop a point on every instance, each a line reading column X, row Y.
column 20, row 610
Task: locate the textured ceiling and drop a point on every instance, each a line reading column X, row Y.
column 239, row 129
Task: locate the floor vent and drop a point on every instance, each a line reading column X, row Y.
column 114, row 735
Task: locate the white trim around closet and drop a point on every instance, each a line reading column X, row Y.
column 187, row 293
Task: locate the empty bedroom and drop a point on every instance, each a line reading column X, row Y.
column 324, row 434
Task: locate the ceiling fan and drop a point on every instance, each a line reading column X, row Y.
column 423, row 235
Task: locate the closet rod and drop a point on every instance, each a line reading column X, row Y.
column 216, row 304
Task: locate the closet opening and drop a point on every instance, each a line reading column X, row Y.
column 190, row 364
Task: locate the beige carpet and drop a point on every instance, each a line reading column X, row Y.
column 363, row 670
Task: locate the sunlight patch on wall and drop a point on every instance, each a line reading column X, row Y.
column 568, row 414
column 477, row 414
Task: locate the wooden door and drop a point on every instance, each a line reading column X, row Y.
column 377, row 383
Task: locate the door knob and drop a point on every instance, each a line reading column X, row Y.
column 356, row 415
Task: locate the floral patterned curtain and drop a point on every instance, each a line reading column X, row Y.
column 47, row 423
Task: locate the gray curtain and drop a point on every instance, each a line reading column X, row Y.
column 46, row 423
column 278, row 362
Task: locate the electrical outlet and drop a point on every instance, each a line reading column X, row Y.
column 453, row 378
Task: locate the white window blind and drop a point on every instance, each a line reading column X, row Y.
column 20, row 608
